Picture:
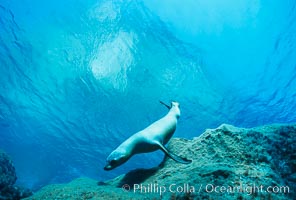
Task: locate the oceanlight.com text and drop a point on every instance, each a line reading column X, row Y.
column 249, row 189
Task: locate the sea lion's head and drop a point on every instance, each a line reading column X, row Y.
column 115, row 159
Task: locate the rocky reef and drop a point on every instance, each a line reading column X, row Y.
column 227, row 163
column 8, row 191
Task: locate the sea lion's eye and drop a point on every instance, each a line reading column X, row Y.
column 113, row 162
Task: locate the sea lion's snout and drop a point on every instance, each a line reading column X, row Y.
column 108, row 167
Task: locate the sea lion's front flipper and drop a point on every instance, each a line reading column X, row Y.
column 174, row 156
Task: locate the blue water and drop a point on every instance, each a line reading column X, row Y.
column 79, row 77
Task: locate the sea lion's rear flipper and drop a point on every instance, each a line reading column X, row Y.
column 168, row 107
column 174, row 156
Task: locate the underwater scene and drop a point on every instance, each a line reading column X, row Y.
column 147, row 99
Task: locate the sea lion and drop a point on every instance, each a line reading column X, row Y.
column 150, row 139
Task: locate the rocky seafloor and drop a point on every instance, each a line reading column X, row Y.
column 227, row 163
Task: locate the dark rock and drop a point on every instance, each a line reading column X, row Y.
column 14, row 192
column 228, row 163
column 7, row 171
column 8, row 191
